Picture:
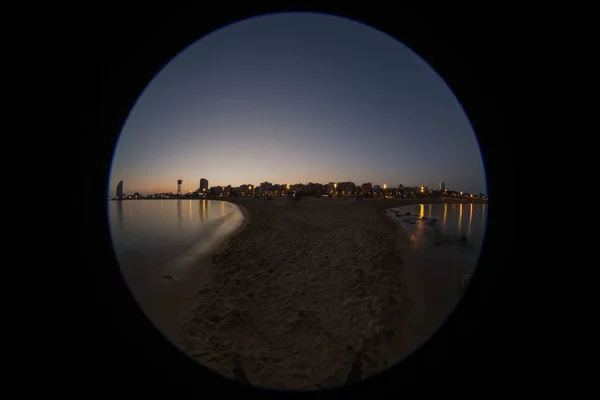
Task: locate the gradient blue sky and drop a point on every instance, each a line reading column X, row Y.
column 296, row 97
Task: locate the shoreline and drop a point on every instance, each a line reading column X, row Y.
column 172, row 298
column 299, row 292
column 300, row 288
column 411, row 201
column 429, row 290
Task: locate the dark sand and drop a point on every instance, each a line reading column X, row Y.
column 304, row 285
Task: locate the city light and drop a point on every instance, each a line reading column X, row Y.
column 318, row 190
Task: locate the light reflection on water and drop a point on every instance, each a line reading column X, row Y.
column 203, row 213
column 151, row 232
column 453, row 221
column 436, row 262
column 445, row 219
column 470, row 220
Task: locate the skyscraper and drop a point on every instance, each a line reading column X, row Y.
column 179, row 182
column 120, row 190
column 203, row 185
column 442, row 186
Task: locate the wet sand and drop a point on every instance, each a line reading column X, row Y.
column 432, row 277
column 303, row 287
column 168, row 292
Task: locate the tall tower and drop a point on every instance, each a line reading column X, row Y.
column 120, row 190
column 179, row 182
column 203, row 185
column 442, row 186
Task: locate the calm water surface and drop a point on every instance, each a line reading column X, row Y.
column 436, row 262
column 453, row 221
column 147, row 234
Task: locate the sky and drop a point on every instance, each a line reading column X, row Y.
column 296, row 98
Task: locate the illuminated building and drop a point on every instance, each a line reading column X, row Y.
column 203, row 185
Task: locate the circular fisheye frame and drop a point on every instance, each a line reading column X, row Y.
column 297, row 201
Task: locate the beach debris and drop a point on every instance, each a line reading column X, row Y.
column 166, row 276
column 429, row 221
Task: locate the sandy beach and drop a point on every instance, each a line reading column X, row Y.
column 300, row 289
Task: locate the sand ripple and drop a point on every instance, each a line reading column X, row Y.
column 298, row 291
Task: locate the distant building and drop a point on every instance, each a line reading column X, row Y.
column 244, row 189
column 366, row 188
column 265, row 187
column 315, row 187
column 298, row 187
column 120, row 190
column 376, row 188
column 346, row 188
column 442, row 186
column 217, row 190
column 279, row 188
column 203, row 185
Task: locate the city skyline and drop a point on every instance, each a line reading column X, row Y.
column 440, row 187
column 296, row 98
